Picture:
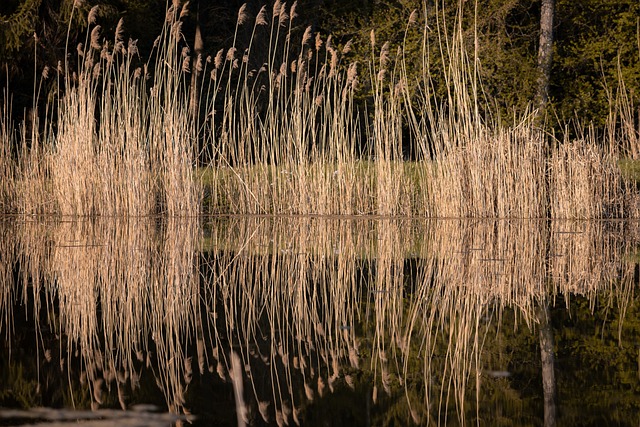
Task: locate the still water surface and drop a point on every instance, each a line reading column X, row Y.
column 310, row 321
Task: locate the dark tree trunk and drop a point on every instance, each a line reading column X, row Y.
column 545, row 53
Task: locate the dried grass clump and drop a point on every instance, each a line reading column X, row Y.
column 498, row 174
column 124, row 148
column 124, row 137
column 283, row 126
column 585, row 182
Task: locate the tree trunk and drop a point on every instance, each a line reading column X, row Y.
column 545, row 53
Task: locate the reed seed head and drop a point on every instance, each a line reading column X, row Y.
column 384, row 55
column 176, row 30
column 242, row 14
column 120, row 31
column 218, row 59
column 231, row 53
column 95, row 37
column 333, row 61
column 413, row 18
column 347, row 47
column 96, row 70
column 352, row 74
column 133, row 47
column 276, row 8
column 185, row 65
column 283, row 17
column 261, row 19
column 185, row 10
column 93, row 15
column 306, row 37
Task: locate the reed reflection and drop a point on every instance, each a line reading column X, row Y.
column 288, row 312
column 123, row 295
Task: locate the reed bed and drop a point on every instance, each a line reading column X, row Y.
column 271, row 125
column 287, row 311
column 123, row 143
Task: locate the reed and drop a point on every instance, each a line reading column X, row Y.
column 123, row 139
column 270, row 125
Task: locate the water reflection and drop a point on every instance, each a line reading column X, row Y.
column 299, row 320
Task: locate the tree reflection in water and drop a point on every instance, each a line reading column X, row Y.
column 304, row 320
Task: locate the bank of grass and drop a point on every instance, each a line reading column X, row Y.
column 221, row 186
column 630, row 170
column 275, row 128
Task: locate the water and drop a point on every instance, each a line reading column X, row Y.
column 310, row 321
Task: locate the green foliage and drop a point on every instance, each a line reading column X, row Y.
column 597, row 360
column 17, row 26
column 596, row 44
column 630, row 169
column 507, row 43
column 594, row 38
column 18, row 389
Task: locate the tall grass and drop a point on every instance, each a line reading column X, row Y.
column 284, row 133
column 120, row 141
column 273, row 126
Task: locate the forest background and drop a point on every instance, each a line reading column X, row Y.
column 596, row 43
